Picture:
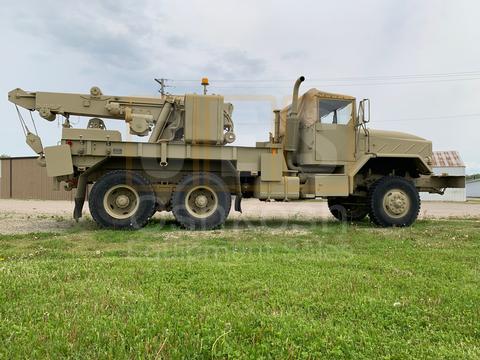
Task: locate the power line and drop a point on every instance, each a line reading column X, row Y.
column 350, row 78
column 350, row 84
column 441, row 117
column 349, row 81
column 408, row 76
column 371, row 81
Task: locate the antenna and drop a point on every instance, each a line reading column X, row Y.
column 163, row 86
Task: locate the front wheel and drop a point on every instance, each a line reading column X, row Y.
column 393, row 201
column 201, row 201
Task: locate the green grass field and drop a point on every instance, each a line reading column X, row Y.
column 257, row 290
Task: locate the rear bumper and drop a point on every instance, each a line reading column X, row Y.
column 438, row 184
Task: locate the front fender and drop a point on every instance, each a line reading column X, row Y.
column 418, row 162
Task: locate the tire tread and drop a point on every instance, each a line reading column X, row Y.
column 95, row 195
column 374, row 215
column 176, row 198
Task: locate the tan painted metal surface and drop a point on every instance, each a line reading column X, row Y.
column 321, row 146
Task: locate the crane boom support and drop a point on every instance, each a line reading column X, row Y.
column 164, row 115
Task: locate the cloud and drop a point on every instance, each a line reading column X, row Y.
column 233, row 64
column 125, row 38
column 177, row 42
column 101, row 31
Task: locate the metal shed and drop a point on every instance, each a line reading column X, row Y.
column 473, row 188
column 22, row 178
column 447, row 163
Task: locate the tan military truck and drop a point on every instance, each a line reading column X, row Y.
column 320, row 148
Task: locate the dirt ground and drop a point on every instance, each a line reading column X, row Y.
column 25, row 216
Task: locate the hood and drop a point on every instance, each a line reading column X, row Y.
column 398, row 143
column 394, row 135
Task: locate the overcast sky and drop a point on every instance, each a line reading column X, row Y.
column 418, row 61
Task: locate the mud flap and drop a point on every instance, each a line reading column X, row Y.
column 82, row 189
column 77, row 211
column 238, row 202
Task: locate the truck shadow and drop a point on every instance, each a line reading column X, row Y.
column 276, row 224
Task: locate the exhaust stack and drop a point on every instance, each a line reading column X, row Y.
column 296, row 87
column 291, row 133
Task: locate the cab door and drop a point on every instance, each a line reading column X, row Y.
column 335, row 131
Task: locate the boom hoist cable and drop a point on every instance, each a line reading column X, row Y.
column 32, row 139
column 23, row 124
column 33, row 122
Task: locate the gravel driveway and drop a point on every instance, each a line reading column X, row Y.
column 24, row 216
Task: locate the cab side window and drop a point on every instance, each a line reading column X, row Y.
column 332, row 111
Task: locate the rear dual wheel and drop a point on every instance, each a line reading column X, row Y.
column 201, row 201
column 126, row 200
column 122, row 200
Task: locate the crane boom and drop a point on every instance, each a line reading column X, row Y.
column 204, row 119
column 140, row 112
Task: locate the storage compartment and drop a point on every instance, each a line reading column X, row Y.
column 331, row 185
column 288, row 188
column 204, row 120
column 271, row 167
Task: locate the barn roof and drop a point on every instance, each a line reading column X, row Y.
column 447, row 159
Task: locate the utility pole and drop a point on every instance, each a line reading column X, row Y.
column 163, row 86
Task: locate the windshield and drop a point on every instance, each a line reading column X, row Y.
column 335, row 111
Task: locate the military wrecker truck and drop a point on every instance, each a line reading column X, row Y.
column 321, row 147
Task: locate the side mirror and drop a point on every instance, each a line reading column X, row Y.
column 363, row 112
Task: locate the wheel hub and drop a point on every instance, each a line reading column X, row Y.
column 396, row 203
column 122, row 201
column 201, row 201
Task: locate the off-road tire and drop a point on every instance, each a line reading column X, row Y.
column 376, row 198
column 343, row 210
column 142, row 189
column 220, row 194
